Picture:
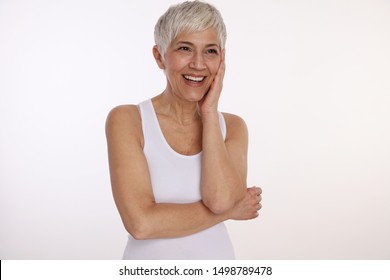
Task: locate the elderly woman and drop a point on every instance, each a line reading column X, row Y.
column 178, row 166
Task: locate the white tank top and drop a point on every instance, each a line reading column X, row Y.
column 176, row 178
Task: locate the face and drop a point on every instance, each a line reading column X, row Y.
column 191, row 63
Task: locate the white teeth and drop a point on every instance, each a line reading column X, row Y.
column 194, row 79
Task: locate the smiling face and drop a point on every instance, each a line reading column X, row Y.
column 191, row 63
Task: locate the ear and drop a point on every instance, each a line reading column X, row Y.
column 158, row 57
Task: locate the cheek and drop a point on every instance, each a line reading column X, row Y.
column 177, row 62
column 175, row 69
column 214, row 72
column 214, row 66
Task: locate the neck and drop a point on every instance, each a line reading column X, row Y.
column 183, row 111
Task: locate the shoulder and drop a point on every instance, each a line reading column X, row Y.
column 124, row 121
column 123, row 116
column 236, row 140
column 123, row 113
column 234, row 122
column 235, row 127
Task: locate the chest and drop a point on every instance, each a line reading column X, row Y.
column 185, row 140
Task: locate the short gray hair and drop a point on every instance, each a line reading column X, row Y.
column 189, row 16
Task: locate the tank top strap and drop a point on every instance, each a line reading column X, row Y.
column 150, row 127
column 153, row 137
column 222, row 125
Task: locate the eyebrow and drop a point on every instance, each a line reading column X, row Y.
column 192, row 44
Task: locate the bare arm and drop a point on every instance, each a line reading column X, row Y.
column 132, row 190
column 224, row 165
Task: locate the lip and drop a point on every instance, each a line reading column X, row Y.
column 194, row 83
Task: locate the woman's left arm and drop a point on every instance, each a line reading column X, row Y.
column 224, row 162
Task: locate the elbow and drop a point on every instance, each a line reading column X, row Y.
column 219, row 206
column 220, row 209
column 221, row 203
column 139, row 230
column 137, row 234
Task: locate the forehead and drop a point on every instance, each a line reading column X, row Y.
column 199, row 38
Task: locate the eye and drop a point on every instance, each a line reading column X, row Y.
column 212, row 51
column 186, row 49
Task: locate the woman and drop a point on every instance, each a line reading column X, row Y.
column 178, row 166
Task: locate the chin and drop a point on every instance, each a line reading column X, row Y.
column 194, row 96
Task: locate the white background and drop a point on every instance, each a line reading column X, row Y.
column 311, row 79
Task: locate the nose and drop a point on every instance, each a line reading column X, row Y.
column 197, row 62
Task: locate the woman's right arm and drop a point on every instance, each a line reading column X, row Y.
column 142, row 217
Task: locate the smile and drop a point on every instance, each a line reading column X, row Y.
column 194, row 79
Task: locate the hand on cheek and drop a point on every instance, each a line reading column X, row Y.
column 209, row 102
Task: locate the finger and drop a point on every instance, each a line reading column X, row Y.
column 217, row 83
column 258, row 189
column 253, row 192
column 221, row 70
